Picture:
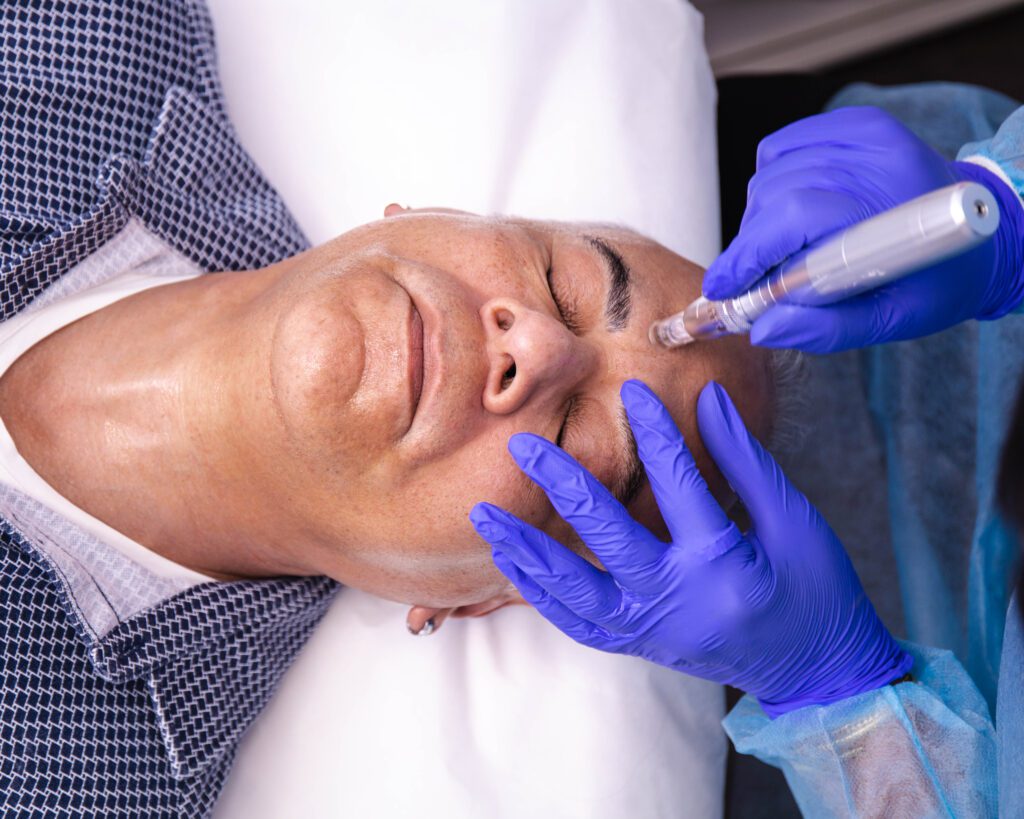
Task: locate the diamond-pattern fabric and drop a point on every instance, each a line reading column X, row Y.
column 110, row 112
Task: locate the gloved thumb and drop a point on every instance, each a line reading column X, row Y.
column 775, row 232
column 773, row 502
column 859, row 322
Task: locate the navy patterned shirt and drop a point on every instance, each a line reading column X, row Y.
column 119, row 696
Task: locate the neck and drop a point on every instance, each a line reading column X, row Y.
column 131, row 413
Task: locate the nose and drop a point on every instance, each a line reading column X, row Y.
column 532, row 357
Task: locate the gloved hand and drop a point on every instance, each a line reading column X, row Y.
column 824, row 173
column 778, row 612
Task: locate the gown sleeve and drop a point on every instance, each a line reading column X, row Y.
column 922, row 748
column 1003, row 152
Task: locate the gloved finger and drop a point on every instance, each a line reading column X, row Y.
column 569, row 623
column 792, row 222
column 582, row 588
column 751, row 470
column 624, row 546
column 843, row 126
column 691, row 513
column 774, row 197
column 858, row 322
column 809, row 169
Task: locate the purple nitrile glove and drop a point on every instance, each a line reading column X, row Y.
column 827, row 172
column 778, row 612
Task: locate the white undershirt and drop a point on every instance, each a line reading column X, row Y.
column 20, row 333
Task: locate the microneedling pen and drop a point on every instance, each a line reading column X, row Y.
column 872, row 253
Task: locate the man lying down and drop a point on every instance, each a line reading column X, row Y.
column 339, row 412
column 183, row 457
column 336, row 413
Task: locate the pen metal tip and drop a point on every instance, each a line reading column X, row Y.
column 669, row 333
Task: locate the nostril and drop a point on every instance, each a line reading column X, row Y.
column 506, row 379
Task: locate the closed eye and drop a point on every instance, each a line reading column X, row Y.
column 569, row 315
column 567, row 309
column 572, row 414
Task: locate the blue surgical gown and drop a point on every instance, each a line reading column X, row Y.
column 934, row 416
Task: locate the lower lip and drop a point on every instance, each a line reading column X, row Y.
column 415, row 359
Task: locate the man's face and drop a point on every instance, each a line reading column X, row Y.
column 409, row 350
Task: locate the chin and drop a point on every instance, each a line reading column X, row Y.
column 430, row 589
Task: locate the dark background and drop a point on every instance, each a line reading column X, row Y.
column 989, row 52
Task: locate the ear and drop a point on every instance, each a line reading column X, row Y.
column 422, row 620
column 394, row 209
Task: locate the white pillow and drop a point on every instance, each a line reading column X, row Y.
column 501, row 717
column 571, row 109
column 568, row 109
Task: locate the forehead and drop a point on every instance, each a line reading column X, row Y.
column 443, row 230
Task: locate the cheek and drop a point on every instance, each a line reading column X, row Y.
column 395, row 506
column 444, row 493
column 415, row 543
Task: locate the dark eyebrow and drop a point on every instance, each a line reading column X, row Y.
column 634, row 477
column 620, row 284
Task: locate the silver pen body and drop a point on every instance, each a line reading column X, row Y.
column 865, row 256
